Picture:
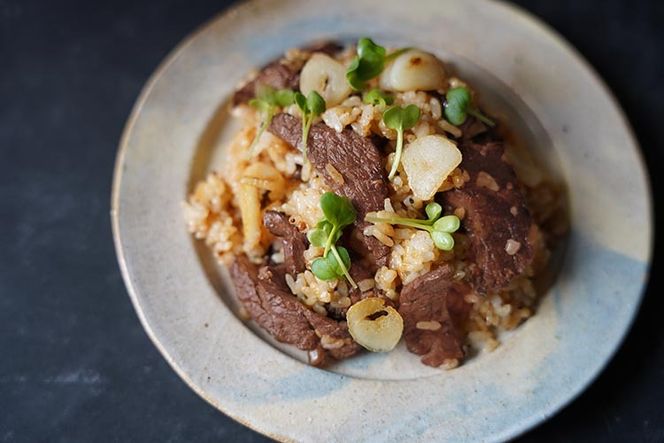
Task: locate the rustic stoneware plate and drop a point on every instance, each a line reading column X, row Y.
column 527, row 75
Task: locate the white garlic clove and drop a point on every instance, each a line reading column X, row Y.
column 428, row 161
column 326, row 76
column 250, row 211
column 414, row 70
column 374, row 325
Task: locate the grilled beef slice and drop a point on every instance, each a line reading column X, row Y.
column 279, row 75
column 294, row 242
column 496, row 217
column 356, row 159
column 435, row 297
column 264, row 294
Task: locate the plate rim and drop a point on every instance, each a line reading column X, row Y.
column 511, row 8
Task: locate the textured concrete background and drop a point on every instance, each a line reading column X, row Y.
column 75, row 364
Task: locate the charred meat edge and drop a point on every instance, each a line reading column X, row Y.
column 434, row 312
column 271, row 305
column 496, row 218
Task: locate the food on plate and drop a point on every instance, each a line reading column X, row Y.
column 368, row 200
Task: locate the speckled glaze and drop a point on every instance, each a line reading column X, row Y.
column 526, row 74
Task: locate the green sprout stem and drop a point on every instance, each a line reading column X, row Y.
column 266, row 119
column 333, row 248
column 439, row 228
column 391, row 56
column 330, row 240
column 305, row 135
column 338, row 213
column 400, row 119
column 266, row 102
column 397, row 154
column 481, row 117
column 310, row 107
column 426, row 225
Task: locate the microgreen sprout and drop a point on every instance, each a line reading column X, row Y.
column 369, row 62
column 338, row 213
column 266, row 102
column 459, row 105
column 440, row 228
column 311, row 107
column 377, row 97
column 400, row 119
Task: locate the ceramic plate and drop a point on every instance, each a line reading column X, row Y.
column 526, row 74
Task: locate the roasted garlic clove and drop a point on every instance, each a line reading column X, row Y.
column 326, row 76
column 428, row 161
column 374, row 325
column 414, row 70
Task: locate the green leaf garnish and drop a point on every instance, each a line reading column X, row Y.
column 315, row 103
column 266, row 102
column 325, row 268
column 369, row 62
column 284, row 97
column 440, row 228
column 311, row 107
column 339, row 213
column 458, row 107
column 443, row 240
column 400, row 119
column 318, row 237
column 323, row 232
column 457, row 104
column 332, row 267
column 433, row 211
column 377, row 97
column 449, row 223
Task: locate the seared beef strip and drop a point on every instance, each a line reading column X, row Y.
column 279, row 74
column 437, row 301
column 356, row 159
column 294, row 242
column 276, row 75
column 335, row 340
column 276, row 311
column 330, row 48
column 264, row 294
column 496, row 218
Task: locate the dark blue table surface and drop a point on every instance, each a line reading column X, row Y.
column 75, row 364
